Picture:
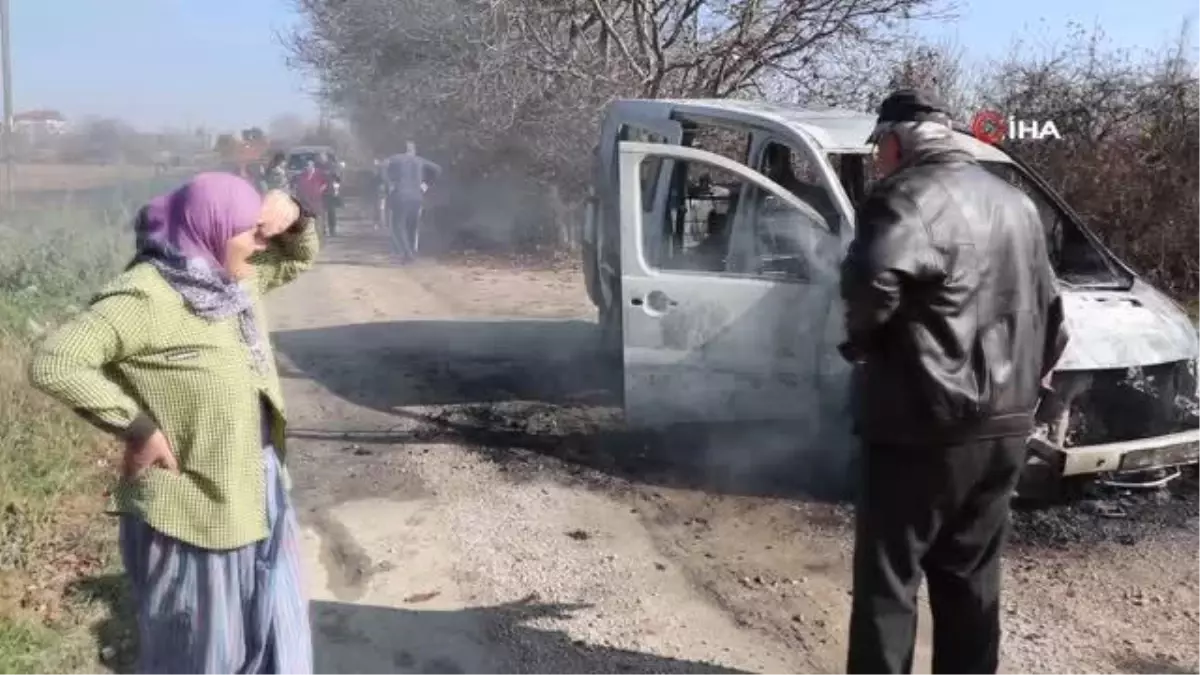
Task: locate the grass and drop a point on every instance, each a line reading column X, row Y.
column 44, row 178
column 57, row 548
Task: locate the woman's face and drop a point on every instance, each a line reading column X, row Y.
column 238, row 251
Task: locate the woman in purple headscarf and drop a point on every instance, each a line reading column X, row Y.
column 172, row 358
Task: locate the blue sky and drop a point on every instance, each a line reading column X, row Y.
column 163, row 63
column 989, row 28
column 156, row 62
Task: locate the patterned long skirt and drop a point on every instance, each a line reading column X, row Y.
column 205, row 611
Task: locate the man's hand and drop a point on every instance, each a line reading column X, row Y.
column 279, row 212
column 154, row 451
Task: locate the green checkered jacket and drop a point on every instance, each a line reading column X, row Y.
column 138, row 359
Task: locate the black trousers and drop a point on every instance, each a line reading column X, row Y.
column 941, row 512
column 331, row 216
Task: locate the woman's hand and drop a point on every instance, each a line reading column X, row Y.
column 154, row 451
column 279, row 212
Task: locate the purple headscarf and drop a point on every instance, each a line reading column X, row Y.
column 183, row 235
column 199, row 217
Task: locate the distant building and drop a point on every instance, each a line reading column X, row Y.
column 39, row 123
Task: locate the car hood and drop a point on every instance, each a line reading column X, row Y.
column 1125, row 328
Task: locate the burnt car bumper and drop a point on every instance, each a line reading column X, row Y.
column 1143, row 454
column 1120, row 420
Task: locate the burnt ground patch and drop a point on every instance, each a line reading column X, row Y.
column 535, row 396
column 1102, row 514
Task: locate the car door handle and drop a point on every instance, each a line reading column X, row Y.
column 655, row 301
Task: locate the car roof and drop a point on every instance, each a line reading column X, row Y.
column 309, row 148
column 834, row 130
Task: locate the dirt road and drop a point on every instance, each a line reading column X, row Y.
column 470, row 505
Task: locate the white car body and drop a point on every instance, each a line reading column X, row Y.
column 756, row 340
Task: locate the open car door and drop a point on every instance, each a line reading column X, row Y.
column 742, row 325
column 642, row 121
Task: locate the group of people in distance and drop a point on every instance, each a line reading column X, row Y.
column 316, row 186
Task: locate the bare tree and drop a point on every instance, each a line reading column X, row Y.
column 513, row 82
column 1127, row 159
column 105, row 141
column 510, row 90
column 940, row 68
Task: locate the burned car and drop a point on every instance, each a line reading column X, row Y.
column 712, row 246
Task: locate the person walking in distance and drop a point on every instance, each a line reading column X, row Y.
column 172, row 357
column 311, row 187
column 332, row 198
column 275, row 176
column 954, row 322
column 408, row 176
column 381, row 194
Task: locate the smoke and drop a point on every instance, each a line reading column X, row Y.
column 496, row 212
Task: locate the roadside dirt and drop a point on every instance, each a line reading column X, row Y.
column 471, row 505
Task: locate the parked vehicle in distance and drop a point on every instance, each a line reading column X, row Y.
column 715, row 274
column 299, row 157
column 325, row 158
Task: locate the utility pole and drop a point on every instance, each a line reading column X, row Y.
column 6, row 65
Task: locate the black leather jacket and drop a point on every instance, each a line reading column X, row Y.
column 953, row 314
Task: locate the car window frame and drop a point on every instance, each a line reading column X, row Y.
column 752, row 181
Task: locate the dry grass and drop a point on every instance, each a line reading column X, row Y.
column 52, row 476
column 57, row 548
column 59, row 177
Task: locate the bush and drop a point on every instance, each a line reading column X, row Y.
column 1130, row 137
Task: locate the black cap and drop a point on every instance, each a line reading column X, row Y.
column 910, row 105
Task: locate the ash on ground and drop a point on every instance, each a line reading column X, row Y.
column 1118, row 515
column 529, row 439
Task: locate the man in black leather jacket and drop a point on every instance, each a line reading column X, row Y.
column 953, row 320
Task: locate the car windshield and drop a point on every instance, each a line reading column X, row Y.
column 1077, row 260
